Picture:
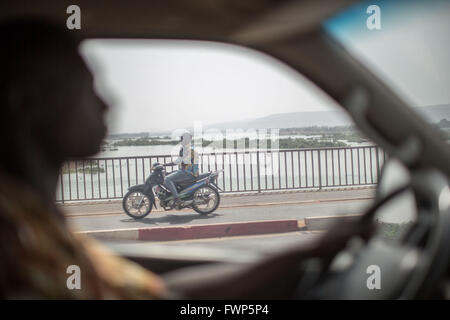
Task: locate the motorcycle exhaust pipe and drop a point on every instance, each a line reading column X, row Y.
column 187, row 203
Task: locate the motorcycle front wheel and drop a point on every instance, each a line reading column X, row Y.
column 206, row 200
column 136, row 204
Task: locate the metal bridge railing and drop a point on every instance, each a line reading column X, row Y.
column 244, row 171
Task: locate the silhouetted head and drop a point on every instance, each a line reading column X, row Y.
column 186, row 139
column 47, row 99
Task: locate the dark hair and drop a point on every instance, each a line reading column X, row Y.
column 27, row 47
column 35, row 60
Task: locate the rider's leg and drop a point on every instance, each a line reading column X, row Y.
column 170, row 181
column 171, row 186
column 176, row 177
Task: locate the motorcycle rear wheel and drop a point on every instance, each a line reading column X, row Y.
column 203, row 193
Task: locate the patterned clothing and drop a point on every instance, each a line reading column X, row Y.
column 37, row 246
column 189, row 161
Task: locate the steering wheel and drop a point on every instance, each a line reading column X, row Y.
column 407, row 269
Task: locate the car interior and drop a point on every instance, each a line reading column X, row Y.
column 414, row 179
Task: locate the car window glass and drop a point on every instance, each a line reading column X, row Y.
column 405, row 43
column 287, row 149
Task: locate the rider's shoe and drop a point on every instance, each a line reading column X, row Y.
column 177, row 203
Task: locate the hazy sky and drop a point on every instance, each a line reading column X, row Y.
column 162, row 85
column 157, row 84
column 411, row 51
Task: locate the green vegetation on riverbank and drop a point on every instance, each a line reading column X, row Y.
column 321, row 136
column 88, row 167
column 347, row 133
column 144, row 141
column 283, row 143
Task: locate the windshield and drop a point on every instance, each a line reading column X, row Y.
column 276, row 139
column 404, row 43
column 267, row 128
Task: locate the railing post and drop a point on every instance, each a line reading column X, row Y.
column 62, row 183
column 320, row 169
column 257, row 165
column 124, row 162
column 378, row 164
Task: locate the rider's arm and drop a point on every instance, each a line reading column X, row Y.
column 178, row 161
column 170, row 164
column 175, row 162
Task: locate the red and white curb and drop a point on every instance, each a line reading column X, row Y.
column 218, row 230
column 197, row 231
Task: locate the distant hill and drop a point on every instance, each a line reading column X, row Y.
column 320, row 118
column 298, row 120
column 289, row 120
column 302, row 119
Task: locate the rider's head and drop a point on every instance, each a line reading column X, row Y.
column 47, row 96
column 186, row 139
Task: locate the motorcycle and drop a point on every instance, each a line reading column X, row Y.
column 201, row 193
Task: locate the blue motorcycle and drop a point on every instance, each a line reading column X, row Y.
column 201, row 193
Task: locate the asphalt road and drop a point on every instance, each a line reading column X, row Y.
column 222, row 215
column 73, row 209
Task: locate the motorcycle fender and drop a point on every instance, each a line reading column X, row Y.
column 213, row 183
column 138, row 187
column 145, row 189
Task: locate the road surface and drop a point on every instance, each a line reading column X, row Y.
column 280, row 211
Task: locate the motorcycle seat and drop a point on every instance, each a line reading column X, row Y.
column 201, row 176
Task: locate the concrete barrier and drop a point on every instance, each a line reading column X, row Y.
column 219, row 230
column 324, row 222
column 190, row 232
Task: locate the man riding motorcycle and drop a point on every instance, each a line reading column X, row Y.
column 188, row 162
